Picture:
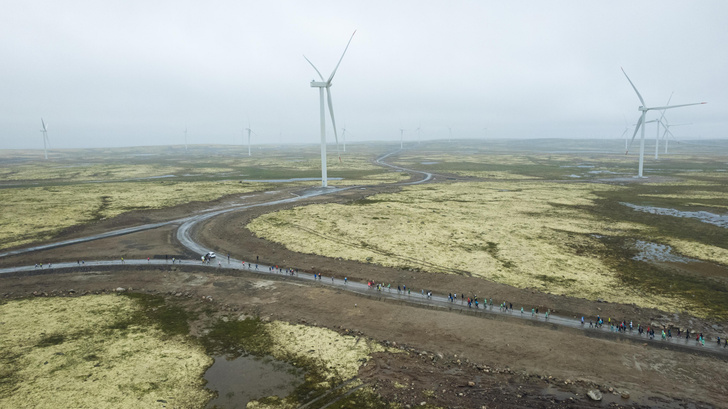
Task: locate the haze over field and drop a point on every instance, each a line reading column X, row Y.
column 136, row 73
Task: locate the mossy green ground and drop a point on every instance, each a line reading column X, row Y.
column 98, row 352
column 564, row 238
column 133, row 350
column 42, row 198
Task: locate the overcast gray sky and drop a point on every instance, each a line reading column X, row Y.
column 126, row 73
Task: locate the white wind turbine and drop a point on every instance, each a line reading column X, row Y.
column 667, row 125
column 249, row 132
column 401, row 138
column 45, row 138
column 640, row 122
column 419, row 131
column 659, row 122
column 626, row 137
column 343, row 136
column 321, row 85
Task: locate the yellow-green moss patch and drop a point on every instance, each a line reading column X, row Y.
column 87, row 352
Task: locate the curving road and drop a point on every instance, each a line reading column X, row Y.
column 380, row 161
column 185, row 237
column 416, row 297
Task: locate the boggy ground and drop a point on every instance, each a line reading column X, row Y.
column 228, row 234
column 510, row 353
column 450, row 360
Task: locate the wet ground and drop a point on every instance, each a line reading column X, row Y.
column 239, row 380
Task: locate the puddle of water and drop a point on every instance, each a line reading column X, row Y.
column 705, row 217
column 240, row 380
column 429, row 163
column 286, row 180
column 573, row 176
column 602, row 172
column 658, row 252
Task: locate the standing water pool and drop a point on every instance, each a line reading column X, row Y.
column 237, row 381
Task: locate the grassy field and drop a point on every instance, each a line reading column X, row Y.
column 96, row 352
column 565, row 238
column 133, row 350
column 42, row 198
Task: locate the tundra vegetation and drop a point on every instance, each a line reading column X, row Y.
column 42, row 198
column 574, row 238
column 133, row 350
column 97, row 352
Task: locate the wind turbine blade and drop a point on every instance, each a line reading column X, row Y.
column 677, row 106
column 342, row 57
column 314, row 67
column 636, row 128
column 625, row 131
column 671, row 134
column 333, row 121
column 45, row 128
column 663, row 111
column 664, row 134
column 635, row 88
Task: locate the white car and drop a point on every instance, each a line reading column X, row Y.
column 210, row 255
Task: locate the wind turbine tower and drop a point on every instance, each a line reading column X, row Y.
column 401, row 139
column 249, row 131
column 343, row 136
column 640, row 123
column 668, row 132
column 659, row 122
column 321, row 85
column 45, row 138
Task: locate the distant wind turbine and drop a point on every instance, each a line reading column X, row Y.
column 249, row 132
column 45, row 138
column 343, row 136
column 321, row 85
column 626, row 138
column 640, row 122
column 659, row 122
column 668, row 133
column 419, row 131
column 401, row 138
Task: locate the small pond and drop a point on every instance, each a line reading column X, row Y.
column 239, row 380
column 705, row 217
column 654, row 252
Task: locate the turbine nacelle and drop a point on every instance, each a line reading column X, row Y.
column 319, row 84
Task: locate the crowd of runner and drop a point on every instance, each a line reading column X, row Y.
column 624, row 326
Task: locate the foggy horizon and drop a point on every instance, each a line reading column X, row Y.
column 126, row 74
